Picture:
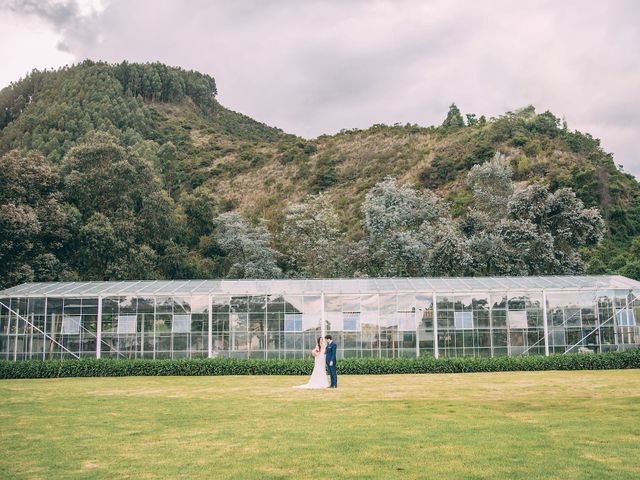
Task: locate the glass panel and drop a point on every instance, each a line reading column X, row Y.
column 626, row 318
column 572, row 317
column 481, row 317
column 351, row 321
column 363, row 322
column 389, row 337
column 369, row 320
column 517, row 319
column 334, row 321
column 463, row 320
column 70, row 325
column 388, row 309
column 332, row 303
column 199, row 304
column 293, row 304
column 406, row 303
column 181, row 305
column 164, row 305
column 72, row 306
column 126, row 305
column 312, row 308
column 557, row 337
column 146, row 305
column 109, row 305
column 181, row 323
column 239, row 322
column 425, row 327
column 292, row 322
column 350, row 303
column 127, row 323
column 407, row 320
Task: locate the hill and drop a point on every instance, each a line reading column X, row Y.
column 135, row 170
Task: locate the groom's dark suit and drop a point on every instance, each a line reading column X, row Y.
column 331, row 363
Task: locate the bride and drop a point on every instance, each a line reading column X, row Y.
column 319, row 375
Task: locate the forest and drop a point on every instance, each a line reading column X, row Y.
column 136, row 171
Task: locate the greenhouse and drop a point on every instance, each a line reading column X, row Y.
column 281, row 319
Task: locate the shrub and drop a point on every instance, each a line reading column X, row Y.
column 325, row 176
column 92, row 367
column 442, row 170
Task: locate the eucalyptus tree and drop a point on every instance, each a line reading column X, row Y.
column 246, row 248
column 491, row 185
column 312, row 239
column 562, row 226
column 401, row 225
column 526, row 231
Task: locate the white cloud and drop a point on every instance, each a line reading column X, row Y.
column 315, row 67
column 28, row 43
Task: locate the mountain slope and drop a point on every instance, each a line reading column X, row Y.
column 201, row 154
column 51, row 111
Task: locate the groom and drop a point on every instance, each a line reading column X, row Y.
column 331, row 361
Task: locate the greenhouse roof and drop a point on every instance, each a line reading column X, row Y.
column 316, row 286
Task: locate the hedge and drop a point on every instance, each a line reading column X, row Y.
column 91, row 367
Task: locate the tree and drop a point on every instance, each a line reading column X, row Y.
column 158, row 220
column 545, row 123
column 557, row 225
column 454, row 118
column 139, row 172
column 200, row 208
column 246, row 247
column 389, row 206
column 528, row 232
column 489, row 255
column 561, row 213
column 26, row 179
column 20, row 227
column 631, row 270
column 526, row 249
column 36, row 227
column 399, row 227
column 312, row 240
column 139, row 262
column 178, row 261
column 448, row 251
column 326, row 174
column 491, row 185
column 99, row 246
column 155, row 86
column 168, row 158
column 102, row 176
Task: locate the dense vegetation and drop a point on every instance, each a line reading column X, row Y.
column 136, row 171
column 350, row 366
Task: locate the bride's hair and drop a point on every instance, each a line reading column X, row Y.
column 319, row 340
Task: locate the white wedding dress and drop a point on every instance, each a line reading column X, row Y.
column 319, row 375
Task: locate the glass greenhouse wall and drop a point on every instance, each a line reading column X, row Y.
column 281, row 319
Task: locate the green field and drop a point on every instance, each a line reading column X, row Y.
column 516, row 425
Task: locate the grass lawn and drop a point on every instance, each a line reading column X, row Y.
column 520, row 425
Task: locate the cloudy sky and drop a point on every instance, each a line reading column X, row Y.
column 312, row 67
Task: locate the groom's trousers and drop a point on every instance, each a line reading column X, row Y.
column 333, row 374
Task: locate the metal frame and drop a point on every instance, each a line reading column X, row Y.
column 322, row 287
column 15, row 351
column 600, row 324
column 333, row 286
